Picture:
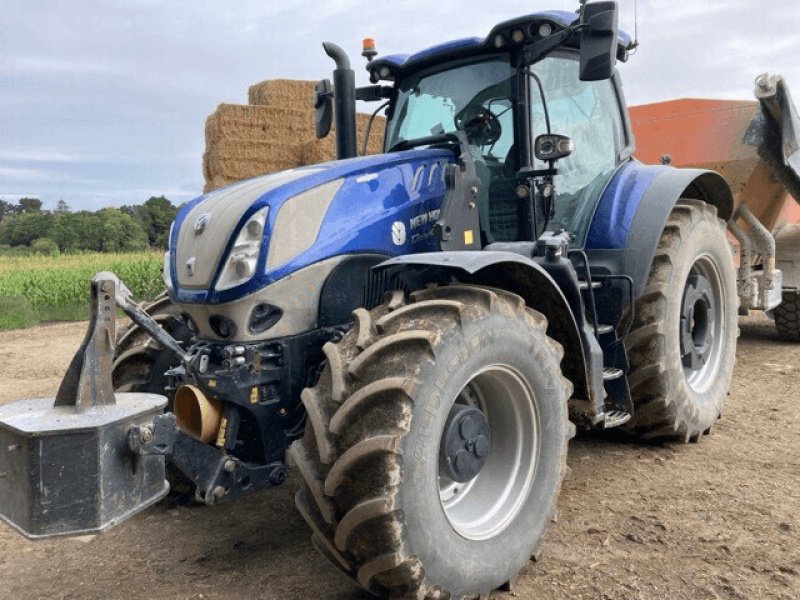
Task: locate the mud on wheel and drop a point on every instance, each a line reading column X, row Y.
column 682, row 344
column 436, row 443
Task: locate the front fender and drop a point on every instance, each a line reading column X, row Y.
column 521, row 275
column 634, row 209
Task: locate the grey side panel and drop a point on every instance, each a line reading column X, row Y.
column 297, row 295
column 209, row 226
column 651, row 217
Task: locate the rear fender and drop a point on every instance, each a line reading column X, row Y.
column 520, row 275
column 634, row 209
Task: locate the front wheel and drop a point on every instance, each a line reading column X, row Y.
column 436, row 443
column 682, row 345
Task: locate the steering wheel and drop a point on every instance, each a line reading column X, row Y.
column 480, row 124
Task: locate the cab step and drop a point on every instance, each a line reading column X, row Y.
column 611, row 373
column 605, row 329
column 584, row 285
column 615, row 418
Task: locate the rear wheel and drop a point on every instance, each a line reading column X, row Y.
column 436, row 443
column 787, row 317
column 682, row 345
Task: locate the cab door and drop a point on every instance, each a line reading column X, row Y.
column 588, row 112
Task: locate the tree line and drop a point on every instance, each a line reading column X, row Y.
column 25, row 227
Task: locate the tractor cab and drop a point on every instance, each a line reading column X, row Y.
column 478, row 96
column 527, row 79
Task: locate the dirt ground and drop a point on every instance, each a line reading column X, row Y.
column 718, row 519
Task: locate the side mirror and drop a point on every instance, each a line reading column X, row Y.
column 598, row 41
column 323, row 108
column 551, row 146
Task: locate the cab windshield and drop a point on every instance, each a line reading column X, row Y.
column 474, row 97
column 439, row 102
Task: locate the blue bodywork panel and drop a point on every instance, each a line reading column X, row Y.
column 377, row 191
column 613, row 217
column 633, row 209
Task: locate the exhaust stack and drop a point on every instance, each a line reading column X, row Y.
column 344, row 99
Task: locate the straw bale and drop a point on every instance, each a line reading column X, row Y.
column 319, row 151
column 375, row 145
column 235, row 121
column 291, row 91
column 208, row 175
column 241, row 159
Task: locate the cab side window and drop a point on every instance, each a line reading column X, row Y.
column 588, row 112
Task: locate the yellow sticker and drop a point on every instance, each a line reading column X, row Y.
column 253, row 395
column 221, row 435
column 468, row 239
column 212, row 383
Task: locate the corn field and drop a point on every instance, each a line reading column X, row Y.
column 64, row 280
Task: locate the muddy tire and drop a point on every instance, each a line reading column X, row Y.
column 787, row 317
column 682, row 345
column 380, row 505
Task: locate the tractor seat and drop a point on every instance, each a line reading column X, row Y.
column 503, row 205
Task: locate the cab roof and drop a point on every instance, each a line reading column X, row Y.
column 387, row 67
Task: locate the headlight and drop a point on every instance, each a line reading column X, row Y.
column 240, row 264
column 298, row 222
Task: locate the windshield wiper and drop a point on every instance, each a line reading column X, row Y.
column 442, row 138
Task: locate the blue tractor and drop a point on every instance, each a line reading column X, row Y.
column 420, row 332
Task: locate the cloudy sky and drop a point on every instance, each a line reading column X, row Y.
column 103, row 103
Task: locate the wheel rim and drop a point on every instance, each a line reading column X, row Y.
column 702, row 324
column 484, row 506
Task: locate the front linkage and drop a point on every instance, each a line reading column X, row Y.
column 204, row 438
column 106, row 452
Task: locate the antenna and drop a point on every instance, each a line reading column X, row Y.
column 635, row 43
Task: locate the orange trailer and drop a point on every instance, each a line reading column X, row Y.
column 713, row 134
column 754, row 145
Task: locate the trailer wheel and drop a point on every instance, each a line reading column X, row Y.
column 787, row 317
column 682, row 345
column 436, row 443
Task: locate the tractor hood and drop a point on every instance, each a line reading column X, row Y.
column 236, row 240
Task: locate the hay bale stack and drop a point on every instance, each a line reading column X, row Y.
column 272, row 133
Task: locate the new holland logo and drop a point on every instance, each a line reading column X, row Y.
column 201, row 223
column 399, row 233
